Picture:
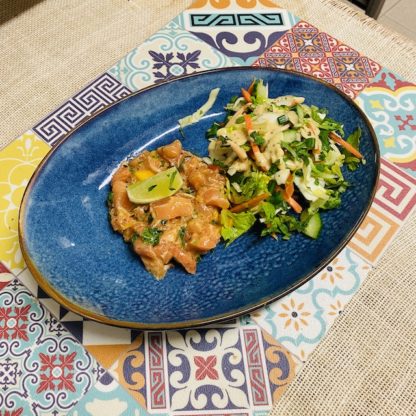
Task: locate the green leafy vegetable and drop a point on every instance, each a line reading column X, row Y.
column 353, row 139
column 258, row 138
column 151, row 236
column 234, row 225
column 110, row 197
column 181, row 235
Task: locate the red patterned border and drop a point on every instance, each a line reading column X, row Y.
column 255, row 367
column 157, row 382
column 305, row 49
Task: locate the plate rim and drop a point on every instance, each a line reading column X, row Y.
column 72, row 306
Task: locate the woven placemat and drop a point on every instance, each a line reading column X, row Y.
column 51, row 50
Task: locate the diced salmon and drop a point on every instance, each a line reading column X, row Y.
column 214, row 197
column 153, row 263
column 171, row 152
column 186, row 258
column 121, row 175
column 172, row 207
column 197, row 178
column 204, row 237
column 187, row 222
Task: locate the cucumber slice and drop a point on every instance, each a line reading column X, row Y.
column 313, row 226
column 289, row 136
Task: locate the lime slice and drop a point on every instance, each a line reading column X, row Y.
column 159, row 186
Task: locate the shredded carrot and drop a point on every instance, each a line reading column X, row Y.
column 292, row 202
column 246, row 95
column 289, row 187
column 254, row 148
column 251, row 203
column 345, row 145
column 296, row 207
column 249, row 124
column 251, row 87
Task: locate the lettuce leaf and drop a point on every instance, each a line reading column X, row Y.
column 234, row 225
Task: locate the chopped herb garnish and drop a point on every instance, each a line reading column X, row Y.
column 172, row 178
column 134, row 237
column 258, row 138
column 212, row 131
column 150, row 188
column 282, row 119
column 239, row 120
column 110, row 197
column 151, row 236
column 223, row 139
column 181, row 235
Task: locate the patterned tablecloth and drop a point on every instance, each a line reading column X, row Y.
column 53, row 361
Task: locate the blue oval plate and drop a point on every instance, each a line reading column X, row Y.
column 77, row 259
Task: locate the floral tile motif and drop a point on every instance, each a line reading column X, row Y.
column 167, row 54
column 224, row 369
column 301, row 319
column 18, row 161
column 107, row 398
column 305, row 49
column 97, row 95
column 390, row 104
column 240, row 29
column 104, row 342
column 43, row 369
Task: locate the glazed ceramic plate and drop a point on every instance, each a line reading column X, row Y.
column 77, row 259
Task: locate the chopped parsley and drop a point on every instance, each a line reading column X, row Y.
column 172, row 178
column 181, row 235
column 150, row 188
column 151, row 235
column 258, row 138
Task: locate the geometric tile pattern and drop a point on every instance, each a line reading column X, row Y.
column 94, row 97
column 223, row 368
column 17, row 163
column 395, row 199
column 374, row 235
column 243, row 31
column 43, row 369
column 104, row 342
column 390, row 104
column 396, row 191
column 301, row 319
column 5, row 276
column 107, row 398
column 305, row 49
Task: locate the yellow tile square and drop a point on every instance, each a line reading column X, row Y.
column 18, row 161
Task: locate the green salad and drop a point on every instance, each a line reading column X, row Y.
column 283, row 161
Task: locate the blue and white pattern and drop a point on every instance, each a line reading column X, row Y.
column 169, row 53
column 239, row 33
column 107, row 398
column 96, row 96
column 301, row 319
column 43, row 369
